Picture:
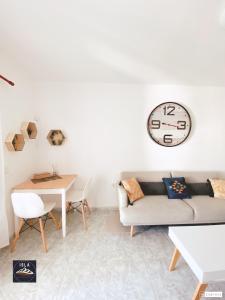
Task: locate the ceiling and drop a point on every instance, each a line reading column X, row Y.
column 124, row 41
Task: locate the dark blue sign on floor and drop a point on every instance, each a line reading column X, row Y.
column 24, row 270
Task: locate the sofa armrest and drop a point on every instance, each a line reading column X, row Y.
column 122, row 195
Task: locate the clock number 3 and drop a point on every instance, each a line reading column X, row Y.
column 168, row 110
column 181, row 125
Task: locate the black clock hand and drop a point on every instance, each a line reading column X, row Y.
column 169, row 125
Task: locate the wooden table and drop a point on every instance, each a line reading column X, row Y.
column 203, row 248
column 53, row 187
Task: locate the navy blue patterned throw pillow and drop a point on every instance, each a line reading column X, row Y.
column 177, row 188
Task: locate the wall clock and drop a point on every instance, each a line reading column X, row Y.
column 169, row 124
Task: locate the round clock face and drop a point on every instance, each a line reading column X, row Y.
column 169, row 124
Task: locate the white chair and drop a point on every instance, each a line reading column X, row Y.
column 78, row 199
column 29, row 206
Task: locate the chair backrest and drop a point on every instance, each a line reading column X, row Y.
column 27, row 205
column 86, row 188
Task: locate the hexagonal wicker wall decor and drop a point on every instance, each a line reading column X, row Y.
column 29, row 130
column 56, row 137
column 15, row 142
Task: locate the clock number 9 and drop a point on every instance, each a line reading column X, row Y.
column 167, row 139
column 155, row 124
column 181, row 125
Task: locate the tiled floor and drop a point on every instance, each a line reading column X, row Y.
column 101, row 263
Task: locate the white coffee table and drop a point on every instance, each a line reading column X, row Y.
column 203, row 248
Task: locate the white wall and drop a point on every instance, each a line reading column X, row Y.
column 4, row 230
column 105, row 126
column 16, row 106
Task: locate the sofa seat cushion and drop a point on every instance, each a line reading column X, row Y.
column 207, row 209
column 156, row 210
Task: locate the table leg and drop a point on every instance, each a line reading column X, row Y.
column 200, row 289
column 64, row 214
column 176, row 255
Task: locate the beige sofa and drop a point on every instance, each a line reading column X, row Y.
column 159, row 210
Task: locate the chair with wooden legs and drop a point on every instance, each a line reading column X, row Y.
column 77, row 200
column 28, row 207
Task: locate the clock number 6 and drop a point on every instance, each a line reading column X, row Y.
column 167, row 139
column 155, row 124
column 181, row 125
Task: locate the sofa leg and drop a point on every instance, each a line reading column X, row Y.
column 132, row 230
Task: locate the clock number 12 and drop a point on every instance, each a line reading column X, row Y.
column 168, row 110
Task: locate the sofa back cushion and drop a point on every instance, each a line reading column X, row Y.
column 200, row 188
column 153, row 188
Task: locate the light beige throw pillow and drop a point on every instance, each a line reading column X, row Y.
column 133, row 189
column 218, row 186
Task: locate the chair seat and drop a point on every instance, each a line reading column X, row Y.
column 74, row 195
column 48, row 206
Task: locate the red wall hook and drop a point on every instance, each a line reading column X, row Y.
column 8, row 81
